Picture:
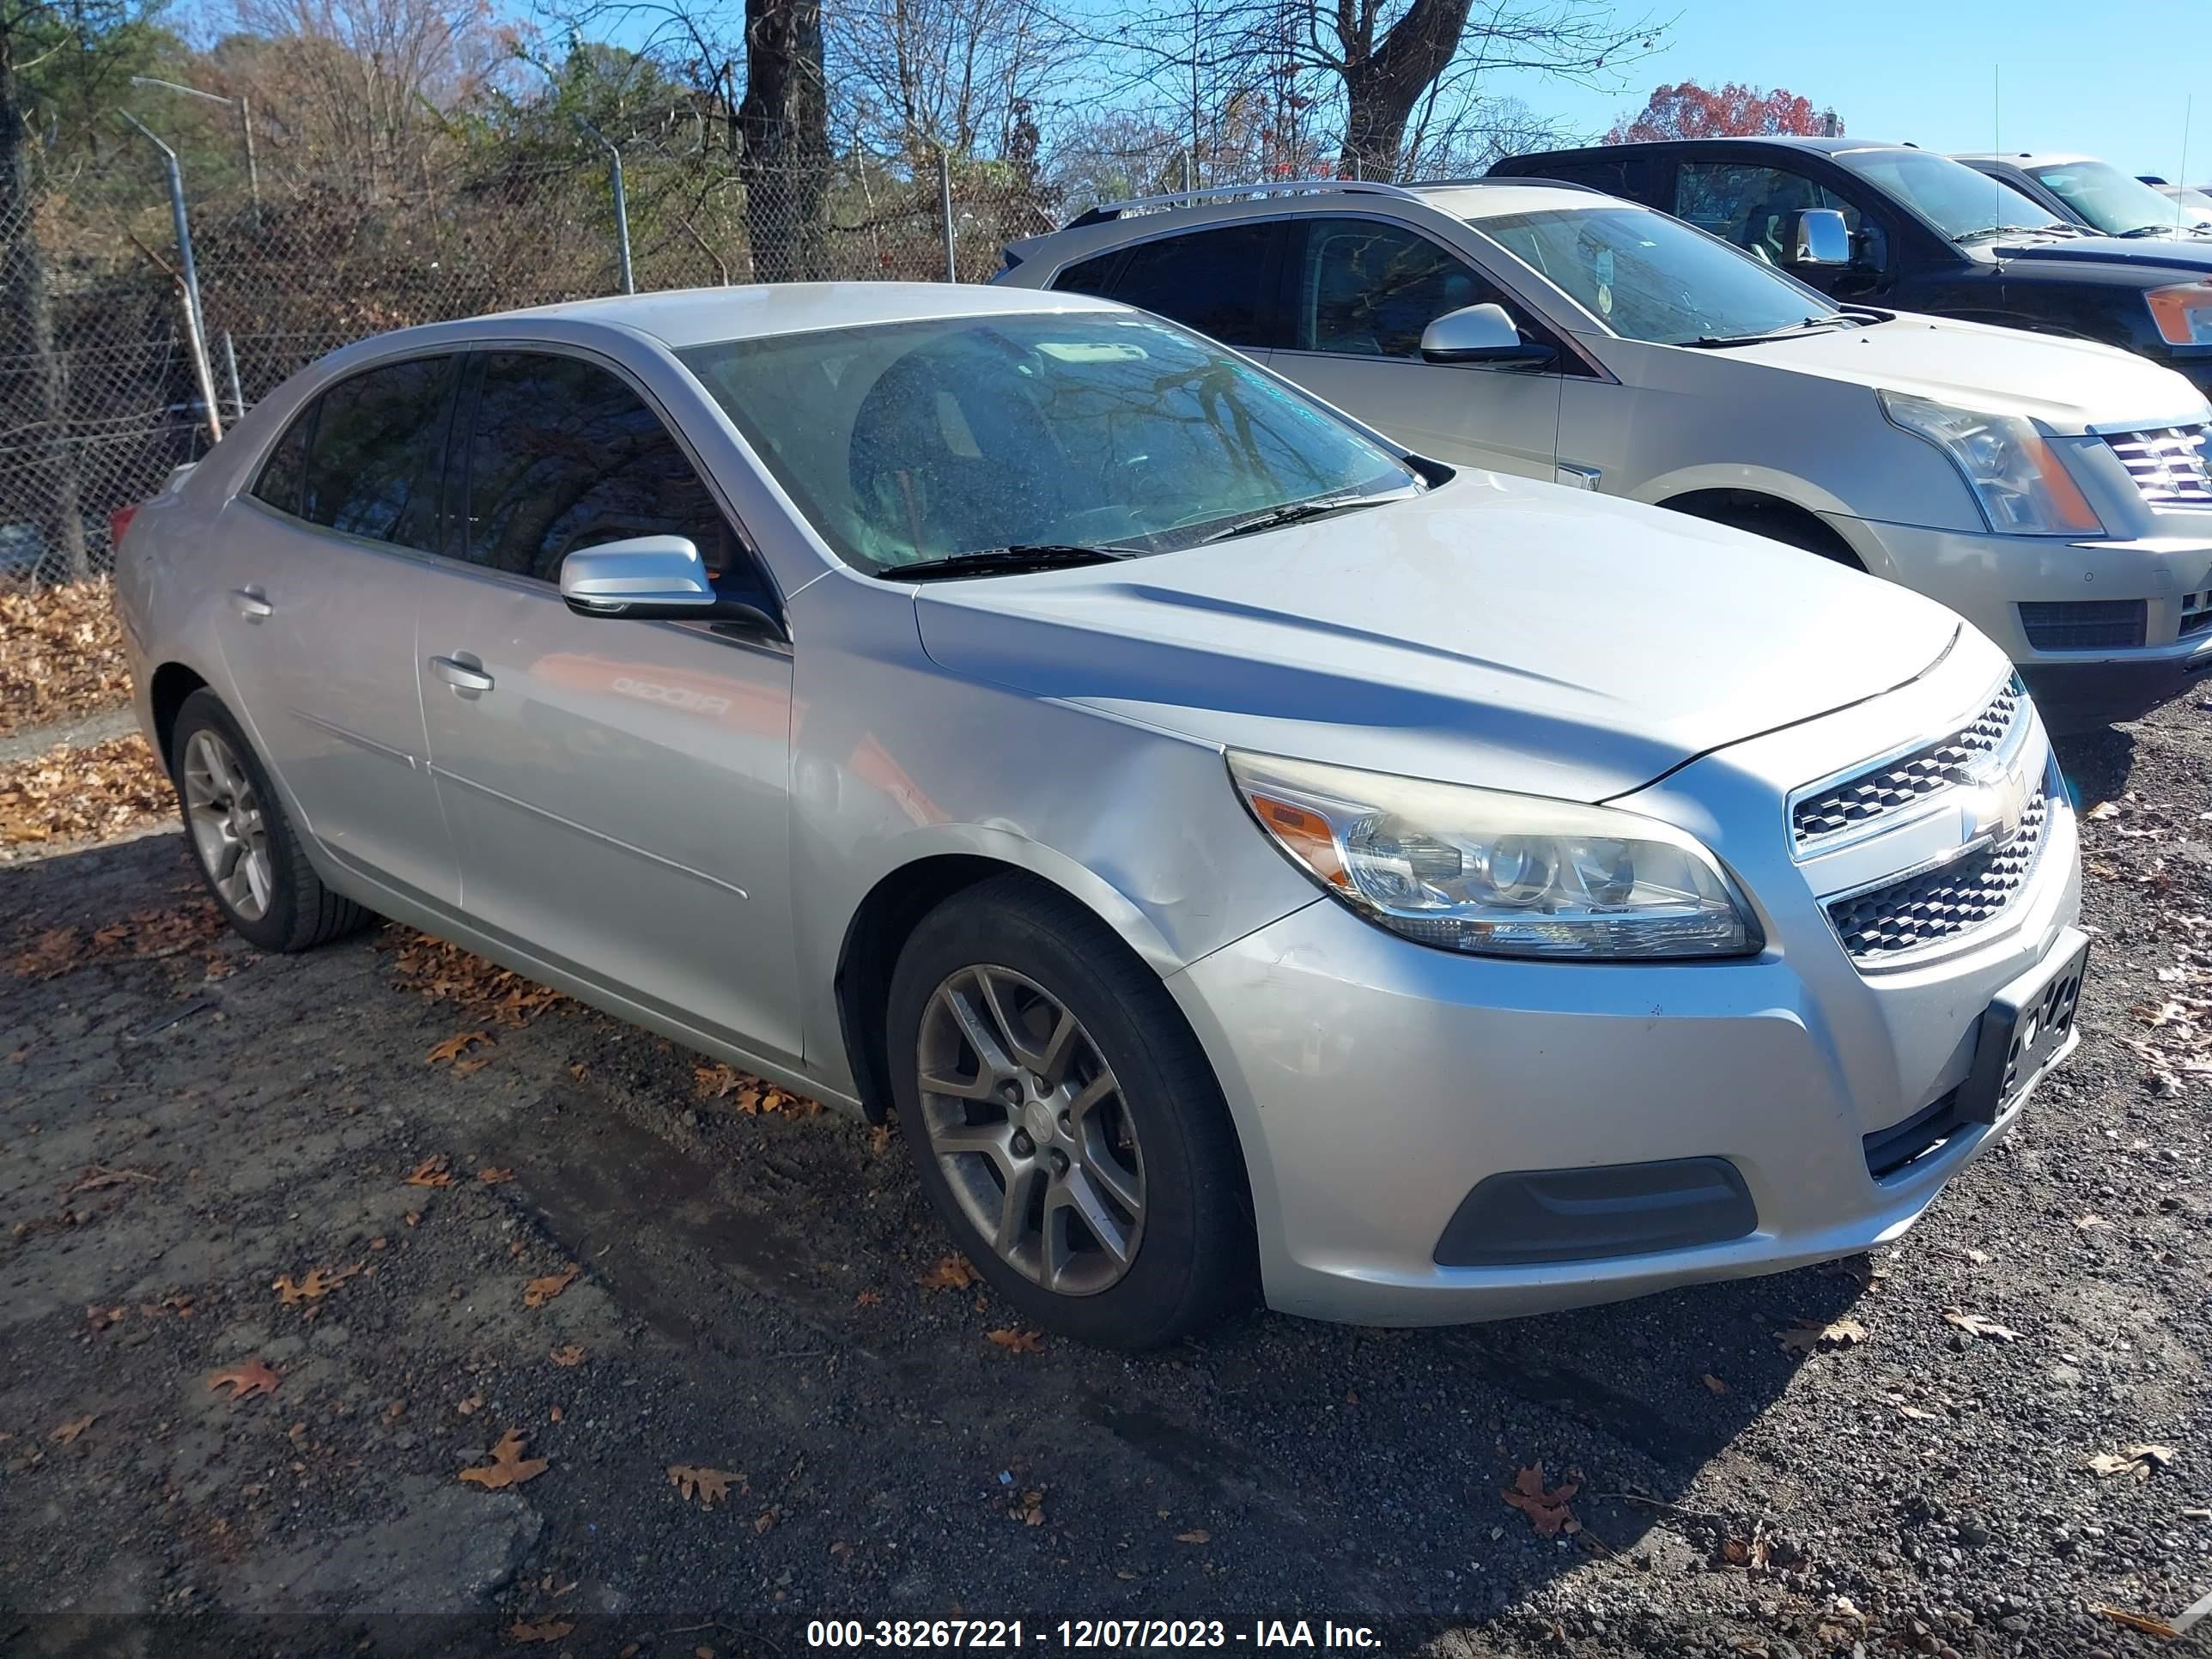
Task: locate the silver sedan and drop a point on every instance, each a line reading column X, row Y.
column 1248, row 858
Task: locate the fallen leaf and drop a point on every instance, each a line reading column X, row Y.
column 454, row 1046
column 2090, row 1223
column 248, row 1380
column 318, row 1284
column 950, row 1273
column 1919, row 1416
column 495, row 1177
column 1547, row 1511
column 764, row 1520
column 539, row 1291
column 550, row 1630
column 867, row 1298
column 1714, row 1385
column 1812, row 1335
column 430, row 1172
column 1016, row 1341
column 571, row 1355
column 1980, row 1325
column 1195, row 1536
column 2138, row 1460
column 509, row 1467
column 2147, row 1625
column 472, row 1405
column 2103, row 810
column 66, row 1435
column 97, row 1178
column 471, row 1067
column 708, row 1486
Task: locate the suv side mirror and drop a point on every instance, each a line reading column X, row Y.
column 1480, row 334
column 651, row 578
column 1817, row 239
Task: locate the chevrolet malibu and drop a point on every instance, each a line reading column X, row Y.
column 1246, row 856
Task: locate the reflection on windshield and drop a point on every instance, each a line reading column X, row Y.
column 909, row 441
column 2108, row 199
column 1651, row 277
column 1958, row 201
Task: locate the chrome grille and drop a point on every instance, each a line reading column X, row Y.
column 2168, row 463
column 1920, row 910
column 1894, row 785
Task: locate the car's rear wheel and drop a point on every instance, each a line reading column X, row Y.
column 247, row 850
column 1063, row 1121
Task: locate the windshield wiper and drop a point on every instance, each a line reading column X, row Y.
column 2020, row 230
column 1837, row 320
column 1001, row 562
column 1295, row 513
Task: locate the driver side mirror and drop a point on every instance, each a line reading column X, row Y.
column 1480, row 334
column 1816, row 239
column 651, row 578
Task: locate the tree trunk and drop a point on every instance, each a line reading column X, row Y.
column 1383, row 83
column 784, row 122
column 26, row 332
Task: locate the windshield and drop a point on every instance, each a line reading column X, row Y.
column 2196, row 204
column 905, row 442
column 1652, row 277
column 1957, row 200
column 2108, row 199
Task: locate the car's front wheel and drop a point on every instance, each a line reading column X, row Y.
column 1063, row 1121
column 256, row 870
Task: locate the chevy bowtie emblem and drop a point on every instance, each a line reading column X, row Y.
column 1998, row 806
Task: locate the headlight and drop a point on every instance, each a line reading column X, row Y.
column 1498, row 874
column 2182, row 312
column 2023, row 487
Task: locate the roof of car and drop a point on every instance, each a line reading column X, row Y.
column 2023, row 159
column 1788, row 141
column 696, row 316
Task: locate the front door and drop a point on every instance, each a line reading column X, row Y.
column 1361, row 292
column 324, row 566
column 1748, row 204
column 618, row 789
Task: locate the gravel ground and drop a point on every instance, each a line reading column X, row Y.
column 187, row 1132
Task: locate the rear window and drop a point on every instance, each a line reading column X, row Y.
column 285, row 469
column 1212, row 280
column 378, row 459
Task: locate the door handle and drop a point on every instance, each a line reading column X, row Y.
column 461, row 675
column 249, row 603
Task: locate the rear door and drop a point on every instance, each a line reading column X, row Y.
column 326, row 559
column 1358, row 293
column 617, row 788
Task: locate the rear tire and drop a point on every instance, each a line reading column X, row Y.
column 1076, row 1142
column 248, row 852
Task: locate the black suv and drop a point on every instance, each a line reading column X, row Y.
column 1927, row 234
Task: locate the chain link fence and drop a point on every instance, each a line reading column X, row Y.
column 101, row 387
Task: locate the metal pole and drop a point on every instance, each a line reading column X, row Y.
column 252, row 165
column 237, row 391
column 945, row 205
column 1189, row 178
column 194, row 318
column 622, row 203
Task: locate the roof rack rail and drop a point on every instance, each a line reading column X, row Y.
column 1109, row 211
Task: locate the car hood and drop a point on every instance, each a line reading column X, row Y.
column 2184, row 252
column 2069, row 384
column 1494, row 631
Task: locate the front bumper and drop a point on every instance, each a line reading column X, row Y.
column 1375, row 1082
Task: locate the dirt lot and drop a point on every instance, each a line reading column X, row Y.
column 637, row 1265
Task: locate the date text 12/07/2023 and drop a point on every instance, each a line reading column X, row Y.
column 1077, row 1635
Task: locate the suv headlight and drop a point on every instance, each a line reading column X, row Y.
column 2182, row 312
column 2023, row 487
column 1498, row 874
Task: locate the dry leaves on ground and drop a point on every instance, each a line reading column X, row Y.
column 495, row 1177
column 61, row 653
column 245, row 1381
column 140, row 936
column 1546, row 1511
column 1017, row 1341
column 446, row 973
column 67, row 1433
column 1980, row 1325
column 1812, row 1335
column 98, row 1178
column 2137, row 1461
column 539, row 1291
column 549, row 1630
column 83, row 793
column 948, row 1272
column 509, row 1467
column 710, row 1486
column 432, row 1171
column 449, row 1052
column 747, row 1093
column 319, row 1283
column 1195, row 1536
column 569, row 1356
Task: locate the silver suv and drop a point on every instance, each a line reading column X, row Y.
column 2055, row 492
column 1243, row 855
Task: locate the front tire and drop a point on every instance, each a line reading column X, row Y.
column 248, row 854
column 1064, row 1122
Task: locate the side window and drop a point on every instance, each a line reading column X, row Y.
column 1629, row 177
column 562, row 455
column 1092, row 277
column 1211, row 279
column 1747, row 205
column 1368, row 289
column 377, row 457
column 286, row 469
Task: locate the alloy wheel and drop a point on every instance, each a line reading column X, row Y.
column 228, row 831
column 1026, row 1120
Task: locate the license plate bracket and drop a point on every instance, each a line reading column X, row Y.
column 2026, row 1023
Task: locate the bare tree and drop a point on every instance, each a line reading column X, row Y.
column 920, row 77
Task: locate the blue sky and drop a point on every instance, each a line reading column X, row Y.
column 2074, row 76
